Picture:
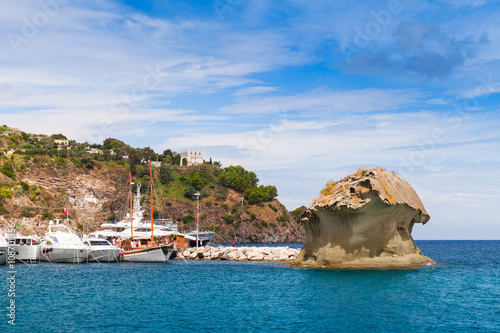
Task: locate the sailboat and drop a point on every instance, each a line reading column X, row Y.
column 145, row 249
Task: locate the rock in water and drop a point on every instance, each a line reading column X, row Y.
column 365, row 220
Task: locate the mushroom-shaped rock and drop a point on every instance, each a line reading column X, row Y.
column 364, row 220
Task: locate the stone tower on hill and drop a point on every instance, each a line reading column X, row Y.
column 192, row 156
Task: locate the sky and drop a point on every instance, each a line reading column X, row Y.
column 299, row 92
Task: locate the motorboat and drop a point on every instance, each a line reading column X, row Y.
column 62, row 245
column 200, row 237
column 27, row 249
column 101, row 250
column 137, row 227
column 4, row 249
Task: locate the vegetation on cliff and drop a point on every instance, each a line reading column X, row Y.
column 42, row 176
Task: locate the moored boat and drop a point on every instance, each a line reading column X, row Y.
column 4, row 248
column 102, row 250
column 203, row 237
column 27, row 249
column 145, row 249
column 61, row 245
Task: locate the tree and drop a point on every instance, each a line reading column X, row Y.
column 166, row 174
column 196, row 181
column 260, row 194
column 237, row 178
column 58, row 137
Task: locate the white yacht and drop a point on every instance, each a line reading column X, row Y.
column 4, row 248
column 141, row 227
column 204, row 237
column 60, row 244
column 27, row 249
column 102, row 250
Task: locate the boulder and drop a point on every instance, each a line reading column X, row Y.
column 256, row 256
column 365, row 220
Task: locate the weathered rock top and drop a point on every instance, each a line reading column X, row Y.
column 355, row 191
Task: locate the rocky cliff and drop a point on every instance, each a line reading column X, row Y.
column 41, row 188
column 364, row 220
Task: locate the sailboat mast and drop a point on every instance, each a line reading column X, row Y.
column 131, row 210
column 151, row 190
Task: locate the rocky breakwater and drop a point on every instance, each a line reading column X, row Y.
column 239, row 253
column 364, row 221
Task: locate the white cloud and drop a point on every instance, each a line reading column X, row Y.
column 257, row 90
column 355, row 101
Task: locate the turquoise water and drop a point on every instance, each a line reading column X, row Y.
column 460, row 295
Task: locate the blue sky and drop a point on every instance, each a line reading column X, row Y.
column 298, row 91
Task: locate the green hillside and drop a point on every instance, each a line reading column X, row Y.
column 40, row 176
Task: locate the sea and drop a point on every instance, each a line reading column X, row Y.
column 460, row 294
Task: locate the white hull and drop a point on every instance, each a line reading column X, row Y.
column 3, row 254
column 104, row 255
column 27, row 252
column 64, row 255
column 151, row 254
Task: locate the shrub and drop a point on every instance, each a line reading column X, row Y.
column 2, row 209
column 228, row 218
column 8, row 170
column 327, row 189
column 48, row 216
column 26, row 213
column 5, row 193
column 187, row 219
column 273, row 208
column 25, row 186
column 220, row 193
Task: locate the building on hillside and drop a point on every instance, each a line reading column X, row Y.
column 193, row 157
column 93, row 150
column 155, row 164
column 62, row 142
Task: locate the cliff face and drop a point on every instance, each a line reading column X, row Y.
column 42, row 189
column 365, row 220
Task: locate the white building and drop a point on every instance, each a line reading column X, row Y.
column 192, row 156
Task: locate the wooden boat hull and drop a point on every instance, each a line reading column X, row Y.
column 159, row 253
